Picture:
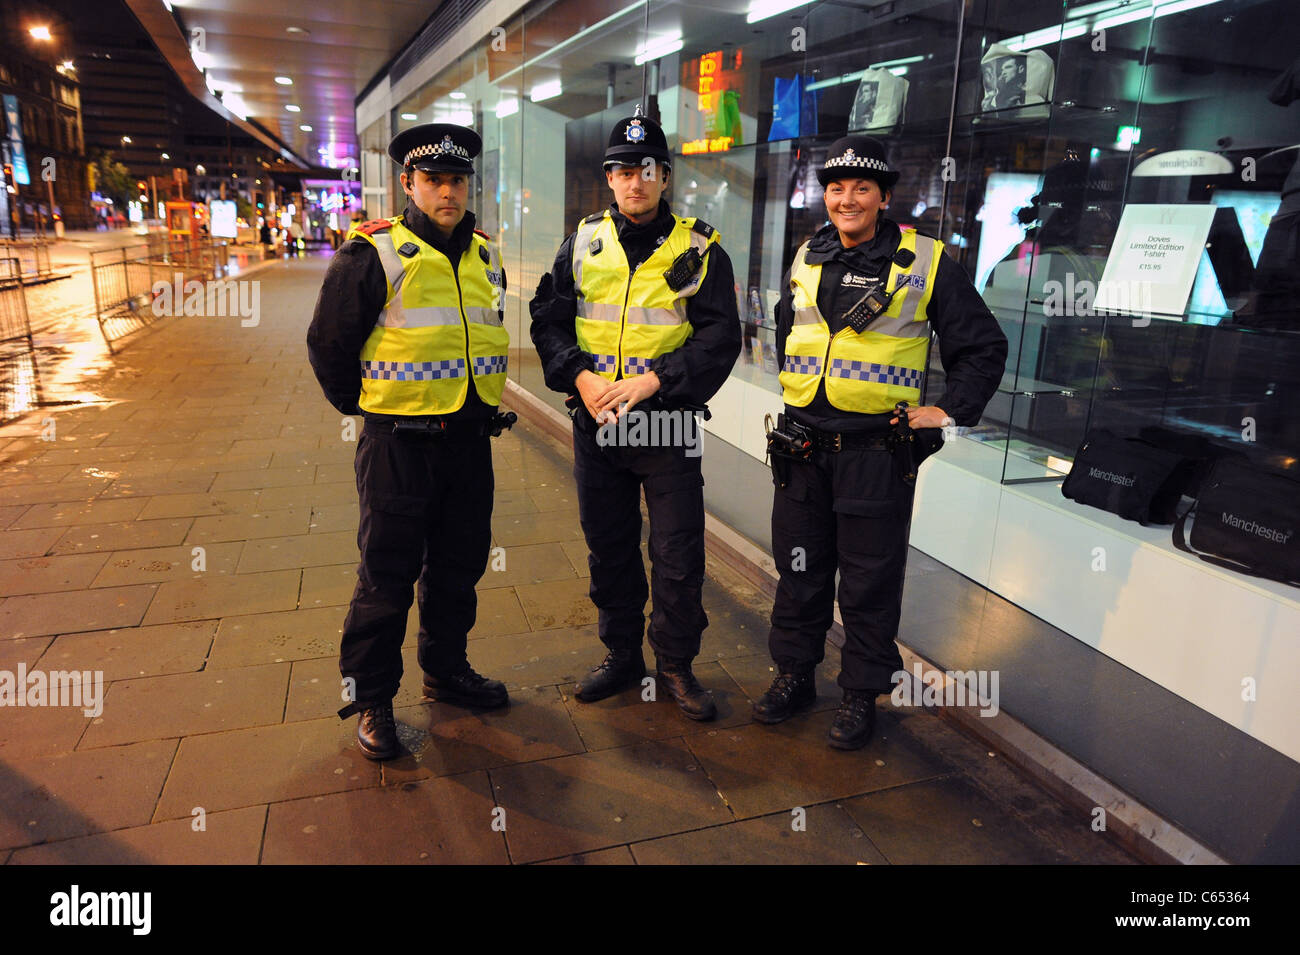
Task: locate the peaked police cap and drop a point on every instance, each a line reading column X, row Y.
column 436, row 147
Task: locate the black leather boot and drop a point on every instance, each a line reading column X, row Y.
column 854, row 720
column 377, row 732
column 675, row 676
column 789, row 693
column 619, row 670
column 464, row 687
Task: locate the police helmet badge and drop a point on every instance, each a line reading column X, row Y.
column 635, row 131
column 447, row 144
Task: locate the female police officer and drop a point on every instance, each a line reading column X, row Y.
column 853, row 326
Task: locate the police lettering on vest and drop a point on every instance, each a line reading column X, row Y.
column 626, row 320
column 867, row 372
column 430, row 337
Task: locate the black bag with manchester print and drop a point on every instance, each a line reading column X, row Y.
column 1246, row 520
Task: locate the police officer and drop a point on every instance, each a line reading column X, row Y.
column 408, row 331
column 636, row 321
column 853, row 326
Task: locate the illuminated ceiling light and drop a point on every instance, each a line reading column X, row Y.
column 297, row 31
column 657, row 48
column 1045, row 37
column 40, row 33
column 544, row 91
column 456, row 94
column 292, row 108
column 410, row 117
column 67, row 65
column 284, row 81
column 165, row 156
column 126, row 140
column 235, row 103
column 1166, row 7
column 202, row 60
column 762, row 9
column 305, row 128
column 507, row 107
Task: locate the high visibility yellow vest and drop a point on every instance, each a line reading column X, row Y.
column 438, row 327
column 869, row 372
column 625, row 320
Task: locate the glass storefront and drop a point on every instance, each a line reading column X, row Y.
column 1041, row 140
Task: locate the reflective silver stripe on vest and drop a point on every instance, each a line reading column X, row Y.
column 394, row 270
column 637, row 315
column 581, row 241
column 413, row 370
column 904, row 324
column 482, row 315
column 599, row 311
column 810, row 315
column 418, row 316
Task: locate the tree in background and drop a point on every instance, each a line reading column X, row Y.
column 112, row 180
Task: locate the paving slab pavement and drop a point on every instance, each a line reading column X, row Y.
column 190, row 536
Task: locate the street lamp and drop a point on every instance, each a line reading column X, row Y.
column 40, row 33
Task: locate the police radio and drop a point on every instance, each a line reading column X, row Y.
column 679, row 274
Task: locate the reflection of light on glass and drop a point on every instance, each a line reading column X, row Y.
column 545, row 91
column 507, row 107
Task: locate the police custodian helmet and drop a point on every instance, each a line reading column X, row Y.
column 635, row 138
column 436, row 147
column 857, row 157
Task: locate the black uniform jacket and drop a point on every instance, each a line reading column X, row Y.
column 689, row 375
column 351, row 298
column 972, row 346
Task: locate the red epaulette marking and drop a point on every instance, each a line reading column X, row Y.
column 483, row 234
column 374, row 225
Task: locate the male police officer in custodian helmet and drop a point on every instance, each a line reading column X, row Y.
column 408, row 330
column 639, row 312
column 853, row 325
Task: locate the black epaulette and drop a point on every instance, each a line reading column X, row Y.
column 594, row 217
column 703, row 228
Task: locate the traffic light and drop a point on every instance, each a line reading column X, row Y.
column 9, row 178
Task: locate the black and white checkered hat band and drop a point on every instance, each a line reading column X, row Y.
column 436, row 149
column 848, row 159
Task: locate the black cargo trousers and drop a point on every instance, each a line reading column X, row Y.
column 609, row 480
column 426, row 515
column 849, row 509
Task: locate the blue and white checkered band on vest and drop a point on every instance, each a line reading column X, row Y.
column 415, row 370
column 803, row 365
column 870, row 371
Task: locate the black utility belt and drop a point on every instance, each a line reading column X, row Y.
column 433, row 428
column 791, row 439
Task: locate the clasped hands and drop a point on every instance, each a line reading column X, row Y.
column 604, row 398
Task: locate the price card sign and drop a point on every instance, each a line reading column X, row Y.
column 1153, row 261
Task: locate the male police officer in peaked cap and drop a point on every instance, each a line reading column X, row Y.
column 639, row 315
column 408, row 330
column 853, row 327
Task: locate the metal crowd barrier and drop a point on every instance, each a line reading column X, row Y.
column 24, row 260
column 124, row 279
column 19, row 385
